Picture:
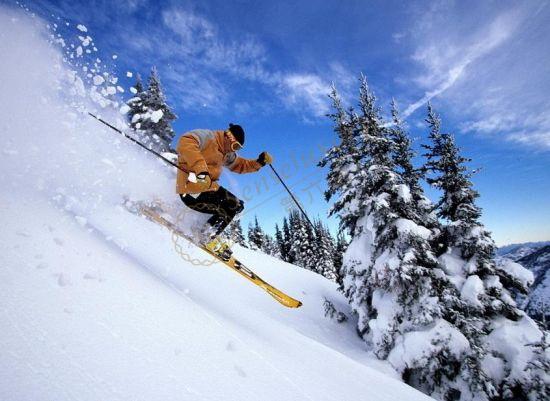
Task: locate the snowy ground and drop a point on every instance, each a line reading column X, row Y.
column 83, row 318
column 98, row 305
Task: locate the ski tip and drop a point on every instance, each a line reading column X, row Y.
column 295, row 304
column 283, row 299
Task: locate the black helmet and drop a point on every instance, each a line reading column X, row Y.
column 237, row 132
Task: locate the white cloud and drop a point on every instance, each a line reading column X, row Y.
column 398, row 36
column 195, row 90
column 307, row 89
column 131, row 6
column 202, row 64
column 310, row 91
column 493, row 75
column 447, row 63
column 536, row 139
column 199, row 41
column 488, row 125
column 192, row 29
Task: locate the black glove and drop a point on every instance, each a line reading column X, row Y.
column 264, row 158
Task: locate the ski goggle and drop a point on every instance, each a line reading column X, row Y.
column 234, row 145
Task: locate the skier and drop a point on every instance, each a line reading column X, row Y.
column 202, row 154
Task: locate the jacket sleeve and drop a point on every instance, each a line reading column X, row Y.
column 189, row 152
column 241, row 165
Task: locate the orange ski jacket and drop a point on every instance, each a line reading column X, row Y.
column 203, row 150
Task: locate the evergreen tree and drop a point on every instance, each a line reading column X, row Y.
column 280, row 242
column 323, row 261
column 293, row 227
column 479, row 301
column 308, row 249
column 270, row 246
column 234, row 233
column 156, row 121
column 261, row 241
column 302, row 241
column 390, row 274
column 537, row 368
column 402, row 155
column 136, row 105
column 402, row 159
column 398, row 267
column 287, row 238
column 344, row 174
column 256, row 236
column 442, row 156
column 428, row 295
column 340, row 248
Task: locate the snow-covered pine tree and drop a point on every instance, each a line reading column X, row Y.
column 256, row 236
column 538, row 367
column 499, row 360
column 279, row 241
column 344, row 172
column 270, row 247
column 286, row 243
column 402, row 155
column 136, row 106
column 337, row 259
column 156, row 121
column 234, row 233
column 301, row 240
column 309, row 250
column 391, row 277
column 294, row 237
column 324, row 251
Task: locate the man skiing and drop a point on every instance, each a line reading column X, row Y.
column 202, row 154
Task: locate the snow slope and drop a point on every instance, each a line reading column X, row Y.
column 84, row 318
column 534, row 256
column 518, row 251
column 98, row 305
column 537, row 303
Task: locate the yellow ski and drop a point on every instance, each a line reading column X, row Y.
column 232, row 263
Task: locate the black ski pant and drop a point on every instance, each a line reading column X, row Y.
column 221, row 204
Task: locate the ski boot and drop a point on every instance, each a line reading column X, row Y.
column 219, row 248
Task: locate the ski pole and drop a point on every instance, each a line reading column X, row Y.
column 137, row 142
column 292, row 196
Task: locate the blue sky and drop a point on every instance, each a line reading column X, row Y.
column 268, row 65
